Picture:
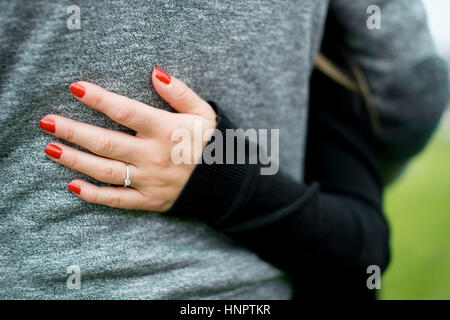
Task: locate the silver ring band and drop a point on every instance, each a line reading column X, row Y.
column 127, row 181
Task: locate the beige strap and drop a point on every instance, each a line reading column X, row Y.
column 360, row 86
column 329, row 69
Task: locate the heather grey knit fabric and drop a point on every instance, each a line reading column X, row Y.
column 251, row 57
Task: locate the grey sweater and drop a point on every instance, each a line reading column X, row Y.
column 253, row 58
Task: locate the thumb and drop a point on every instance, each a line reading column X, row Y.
column 180, row 96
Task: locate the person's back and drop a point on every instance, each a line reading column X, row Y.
column 226, row 51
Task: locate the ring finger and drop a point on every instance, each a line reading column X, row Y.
column 99, row 168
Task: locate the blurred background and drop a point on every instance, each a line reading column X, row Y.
column 418, row 204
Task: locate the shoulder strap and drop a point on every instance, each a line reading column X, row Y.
column 358, row 85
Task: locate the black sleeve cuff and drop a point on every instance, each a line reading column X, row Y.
column 212, row 188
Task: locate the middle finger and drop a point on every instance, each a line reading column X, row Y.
column 107, row 143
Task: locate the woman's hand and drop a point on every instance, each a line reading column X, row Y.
column 156, row 181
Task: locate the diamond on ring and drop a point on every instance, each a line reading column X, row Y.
column 127, row 181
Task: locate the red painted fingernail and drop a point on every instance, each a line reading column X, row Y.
column 77, row 89
column 53, row 151
column 161, row 75
column 74, row 187
column 47, row 124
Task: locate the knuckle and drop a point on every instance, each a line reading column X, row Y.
column 160, row 160
column 181, row 96
column 115, row 202
column 126, row 113
column 70, row 133
column 103, row 145
column 106, row 173
column 98, row 102
column 73, row 163
column 92, row 197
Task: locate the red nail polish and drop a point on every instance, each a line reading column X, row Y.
column 77, row 89
column 161, row 75
column 74, row 187
column 47, row 124
column 53, row 151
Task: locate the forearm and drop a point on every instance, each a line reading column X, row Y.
column 287, row 222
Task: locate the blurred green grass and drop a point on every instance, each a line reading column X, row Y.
column 418, row 209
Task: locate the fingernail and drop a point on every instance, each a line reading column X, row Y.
column 161, row 75
column 47, row 124
column 74, row 187
column 53, row 151
column 77, row 89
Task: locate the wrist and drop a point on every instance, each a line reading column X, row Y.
column 212, row 188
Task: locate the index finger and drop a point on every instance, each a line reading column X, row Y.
column 128, row 112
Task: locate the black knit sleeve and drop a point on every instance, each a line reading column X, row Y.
column 213, row 189
column 334, row 219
